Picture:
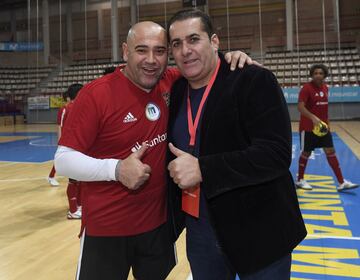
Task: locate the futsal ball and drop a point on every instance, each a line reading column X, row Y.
column 321, row 129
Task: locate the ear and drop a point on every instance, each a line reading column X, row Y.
column 215, row 42
column 125, row 51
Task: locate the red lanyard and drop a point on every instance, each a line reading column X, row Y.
column 191, row 125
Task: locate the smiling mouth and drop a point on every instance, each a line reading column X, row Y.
column 189, row 62
column 150, row 72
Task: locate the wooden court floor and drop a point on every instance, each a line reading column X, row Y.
column 36, row 239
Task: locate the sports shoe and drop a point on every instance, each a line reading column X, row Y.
column 75, row 215
column 346, row 185
column 52, row 181
column 302, row 184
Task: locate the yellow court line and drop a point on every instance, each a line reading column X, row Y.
column 6, row 139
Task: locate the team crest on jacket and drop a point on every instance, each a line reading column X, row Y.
column 166, row 96
column 152, row 112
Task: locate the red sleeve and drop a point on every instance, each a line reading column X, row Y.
column 304, row 94
column 59, row 115
column 172, row 74
column 63, row 116
column 83, row 122
column 327, row 88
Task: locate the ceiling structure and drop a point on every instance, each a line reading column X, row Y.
column 12, row 4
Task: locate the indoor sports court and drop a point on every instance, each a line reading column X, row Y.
column 47, row 45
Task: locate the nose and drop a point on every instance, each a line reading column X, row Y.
column 185, row 50
column 150, row 58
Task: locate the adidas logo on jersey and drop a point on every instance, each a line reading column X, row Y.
column 129, row 118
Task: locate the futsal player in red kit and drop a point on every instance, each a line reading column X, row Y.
column 73, row 190
column 313, row 106
column 115, row 142
column 51, row 178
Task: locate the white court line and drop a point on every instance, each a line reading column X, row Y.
column 42, row 145
column 38, row 145
column 26, row 179
column 334, row 237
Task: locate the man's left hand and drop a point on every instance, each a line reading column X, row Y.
column 185, row 169
column 239, row 58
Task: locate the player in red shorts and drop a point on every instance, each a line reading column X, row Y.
column 73, row 189
column 115, row 143
column 313, row 106
column 51, row 178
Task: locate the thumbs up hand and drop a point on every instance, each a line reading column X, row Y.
column 133, row 173
column 184, row 170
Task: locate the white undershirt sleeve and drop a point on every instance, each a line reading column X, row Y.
column 78, row 166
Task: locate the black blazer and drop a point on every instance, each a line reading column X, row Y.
column 245, row 155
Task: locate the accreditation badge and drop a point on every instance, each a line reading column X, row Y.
column 191, row 201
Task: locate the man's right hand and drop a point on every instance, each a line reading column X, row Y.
column 133, row 173
column 315, row 120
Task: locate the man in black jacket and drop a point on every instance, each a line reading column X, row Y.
column 231, row 146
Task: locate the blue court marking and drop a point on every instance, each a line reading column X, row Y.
column 329, row 259
column 331, row 250
column 36, row 147
column 326, row 212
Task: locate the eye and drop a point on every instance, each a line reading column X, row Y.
column 160, row 51
column 140, row 51
column 175, row 44
column 193, row 40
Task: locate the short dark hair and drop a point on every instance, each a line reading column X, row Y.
column 65, row 95
column 109, row 70
column 73, row 90
column 192, row 13
column 319, row 66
